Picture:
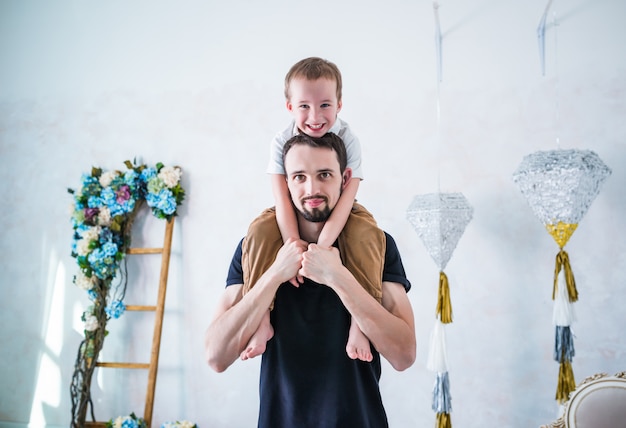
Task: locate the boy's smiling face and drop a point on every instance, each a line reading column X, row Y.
column 314, row 105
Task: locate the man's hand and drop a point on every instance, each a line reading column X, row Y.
column 320, row 263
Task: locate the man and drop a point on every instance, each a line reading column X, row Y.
column 307, row 380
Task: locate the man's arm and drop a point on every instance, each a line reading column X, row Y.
column 390, row 326
column 237, row 317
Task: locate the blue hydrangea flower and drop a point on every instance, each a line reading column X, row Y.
column 115, row 309
column 130, row 177
column 130, row 423
column 104, row 266
column 108, row 197
column 94, row 202
column 109, row 249
column 163, row 201
column 148, row 173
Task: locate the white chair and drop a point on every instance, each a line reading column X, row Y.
column 597, row 402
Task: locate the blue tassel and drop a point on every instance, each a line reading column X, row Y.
column 442, row 402
column 563, row 344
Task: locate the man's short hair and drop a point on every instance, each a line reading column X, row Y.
column 314, row 68
column 328, row 140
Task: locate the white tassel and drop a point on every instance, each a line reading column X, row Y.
column 437, row 354
column 563, row 313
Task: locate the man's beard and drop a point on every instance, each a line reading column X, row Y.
column 315, row 215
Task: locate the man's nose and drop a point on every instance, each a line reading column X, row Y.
column 311, row 187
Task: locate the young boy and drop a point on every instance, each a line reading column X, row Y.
column 313, row 96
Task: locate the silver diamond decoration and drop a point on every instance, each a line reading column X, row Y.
column 440, row 220
column 560, row 185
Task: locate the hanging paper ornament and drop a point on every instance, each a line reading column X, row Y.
column 440, row 220
column 560, row 186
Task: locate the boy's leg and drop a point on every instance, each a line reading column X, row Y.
column 362, row 246
column 258, row 341
column 358, row 344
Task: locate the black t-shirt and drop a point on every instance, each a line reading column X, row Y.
column 307, row 379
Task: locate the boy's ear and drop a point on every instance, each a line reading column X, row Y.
column 339, row 104
column 289, row 105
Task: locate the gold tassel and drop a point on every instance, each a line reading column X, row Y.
column 562, row 260
column 566, row 382
column 444, row 307
column 443, row 420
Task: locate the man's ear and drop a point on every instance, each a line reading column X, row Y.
column 347, row 176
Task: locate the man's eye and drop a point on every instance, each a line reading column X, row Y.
column 298, row 178
column 325, row 175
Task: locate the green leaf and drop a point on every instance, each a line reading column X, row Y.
column 96, row 172
column 128, row 164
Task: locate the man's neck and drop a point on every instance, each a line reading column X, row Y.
column 309, row 231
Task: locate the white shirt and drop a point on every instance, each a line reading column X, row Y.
column 340, row 128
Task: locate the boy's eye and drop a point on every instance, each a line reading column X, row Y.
column 304, row 106
column 325, row 105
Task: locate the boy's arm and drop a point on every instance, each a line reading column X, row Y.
column 285, row 214
column 337, row 220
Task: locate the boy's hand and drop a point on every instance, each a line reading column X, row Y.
column 320, row 263
column 297, row 280
column 289, row 260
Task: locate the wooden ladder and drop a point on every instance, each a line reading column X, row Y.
column 159, row 308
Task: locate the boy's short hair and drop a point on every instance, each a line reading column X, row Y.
column 328, row 141
column 314, row 68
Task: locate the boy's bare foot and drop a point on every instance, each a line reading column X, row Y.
column 258, row 341
column 358, row 346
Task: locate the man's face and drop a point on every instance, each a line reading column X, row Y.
column 314, row 180
column 314, row 105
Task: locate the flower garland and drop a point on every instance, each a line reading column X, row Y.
column 102, row 216
column 132, row 421
column 179, row 424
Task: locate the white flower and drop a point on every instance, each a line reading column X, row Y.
column 170, row 175
column 178, row 424
column 104, row 216
column 92, row 233
column 83, row 281
column 91, row 324
column 107, row 178
column 82, row 247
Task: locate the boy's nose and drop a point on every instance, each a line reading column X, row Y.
column 314, row 112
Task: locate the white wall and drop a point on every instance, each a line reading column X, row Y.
column 199, row 84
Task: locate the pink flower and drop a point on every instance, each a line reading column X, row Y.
column 122, row 194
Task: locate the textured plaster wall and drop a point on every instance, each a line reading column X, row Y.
column 199, row 84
